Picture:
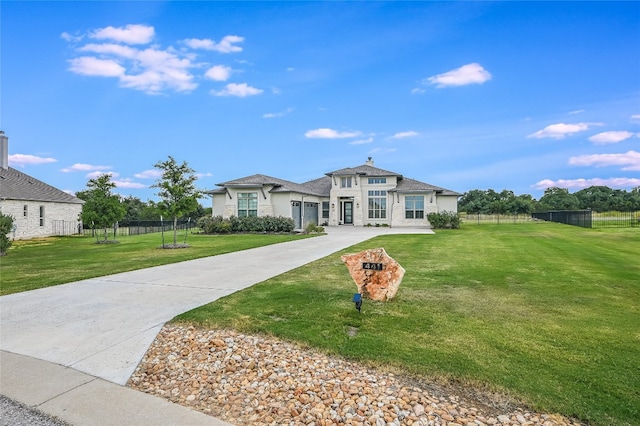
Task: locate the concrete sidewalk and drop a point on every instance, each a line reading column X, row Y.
column 67, row 350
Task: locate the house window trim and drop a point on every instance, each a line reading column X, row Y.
column 346, row 182
column 325, row 209
column 42, row 215
column 247, row 197
column 413, row 213
column 377, row 205
column 377, row 180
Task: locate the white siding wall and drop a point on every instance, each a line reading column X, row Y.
column 29, row 226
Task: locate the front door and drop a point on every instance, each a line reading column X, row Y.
column 348, row 212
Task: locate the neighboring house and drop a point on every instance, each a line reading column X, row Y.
column 38, row 209
column 360, row 196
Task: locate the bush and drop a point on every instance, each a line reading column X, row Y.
column 6, row 225
column 444, row 219
column 218, row 225
column 312, row 227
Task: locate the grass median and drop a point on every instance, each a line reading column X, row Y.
column 37, row 263
column 544, row 312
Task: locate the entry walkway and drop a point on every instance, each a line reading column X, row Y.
column 92, row 334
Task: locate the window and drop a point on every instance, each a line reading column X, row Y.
column 345, row 182
column 41, row 215
column 377, row 204
column 325, row 210
column 247, row 204
column 377, row 180
column 25, row 211
column 414, row 207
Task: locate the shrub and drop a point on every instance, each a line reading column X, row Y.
column 6, row 225
column 444, row 219
column 218, row 225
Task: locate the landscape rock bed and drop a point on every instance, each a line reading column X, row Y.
column 252, row 380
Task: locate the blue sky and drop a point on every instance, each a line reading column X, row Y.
column 469, row 95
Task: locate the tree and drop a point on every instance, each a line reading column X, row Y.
column 555, row 198
column 102, row 208
column 6, row 226
column 177, row 191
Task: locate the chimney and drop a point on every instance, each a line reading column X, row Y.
column 4, row 151
column 369, row 162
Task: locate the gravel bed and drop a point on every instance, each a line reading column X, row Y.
column 253, row 380
column 13, row 413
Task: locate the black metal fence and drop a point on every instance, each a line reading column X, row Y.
column 581, row 218
column 139, row 227
column 590, row 219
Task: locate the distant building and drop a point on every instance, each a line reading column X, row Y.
column 38, row 209
column 359, row 196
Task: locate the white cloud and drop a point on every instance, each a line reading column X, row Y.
column 218, row 73
column 635, row 117
column 97, row 174
column 361, row 141
column 289, row 69
column 561, row 130
column 402, row 135
column 79, row 167
column 611, row 137
column 586, row 183
column 71, row 38
column 226, row 45
column 324, row 133
column 201, row 175
column 149, row 174
column 128, row 183
column 110, row 48
column 240, row 90
column 417, row 91
column 627, row 161
column 578, row 111
column 467, row 74
column 277, row 114
column 26, row 159
column 89, row 65
column 131, row 34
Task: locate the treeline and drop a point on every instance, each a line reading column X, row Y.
column 137, row 210
column 596, row 198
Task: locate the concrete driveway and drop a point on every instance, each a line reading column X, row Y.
column 103, row 326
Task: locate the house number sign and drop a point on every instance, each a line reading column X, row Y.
column 372, row 266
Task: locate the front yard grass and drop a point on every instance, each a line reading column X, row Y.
column 32, row 264
column 547, row 313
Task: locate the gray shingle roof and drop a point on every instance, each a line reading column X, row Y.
column 280, row 185
column 322, row 187
column 15, row 185
column 411, row 185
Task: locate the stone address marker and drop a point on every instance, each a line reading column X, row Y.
column 376, row 274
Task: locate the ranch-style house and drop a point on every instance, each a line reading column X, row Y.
column 359, row 196
column 38, row 209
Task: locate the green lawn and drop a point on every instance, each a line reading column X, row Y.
column 32, row 264
column 547, row 313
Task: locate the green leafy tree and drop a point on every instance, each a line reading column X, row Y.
column 102, row 208
column 555, row 198
column 176, row 188
column 6, row 226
